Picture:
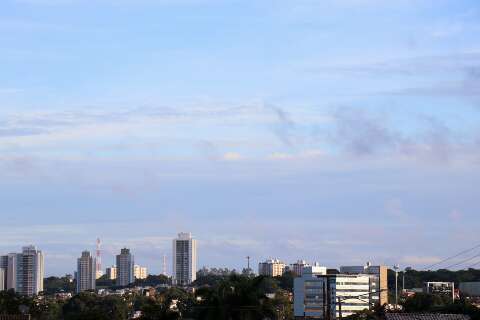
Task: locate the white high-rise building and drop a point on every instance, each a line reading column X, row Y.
column 86, row 272
column 125, row 263
column 23, row 272
column 321, row 296
column 184, row 259
column 31, row 271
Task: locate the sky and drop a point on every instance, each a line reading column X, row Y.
column 338, row 131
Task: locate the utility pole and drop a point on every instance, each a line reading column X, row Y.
column 248, row 263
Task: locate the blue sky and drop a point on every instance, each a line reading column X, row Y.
column 334, row 131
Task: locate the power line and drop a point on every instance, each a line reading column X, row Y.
column 463, row 261
column 452, row 257
column 474, row 265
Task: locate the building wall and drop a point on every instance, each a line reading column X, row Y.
column 26, row 271
column 140, row 272
column 318, row 295
column 86, row 272
column 12, row 271
column 378, row 277
column 297, row 267
column 4, row 267
column 184, row 259
column 125, row 263
column 470, row 289
column 2, row 279
column 440, row 288
column 112, row 273
column 271, row 268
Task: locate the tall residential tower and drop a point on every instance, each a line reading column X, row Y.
column 23, row 272
column 184, row 259
column 86, row 272
column 125, row 263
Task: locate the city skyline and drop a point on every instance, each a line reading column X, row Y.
column 331, row 131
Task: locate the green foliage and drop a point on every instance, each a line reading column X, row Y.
column 240, row 297
column 10, row 302
column 40, row 309
column 285, row 281
column 421, row 303
column 104, row 282
column 153, row 280
column 89, row 306
column 52, row 285
column 415, row 279
column 209, row 280
column 172, row 303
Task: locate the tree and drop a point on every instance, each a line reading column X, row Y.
column 89, row 306
column 236, row 298
column 54, row 285
column 285, row 281
column 422, row 302
column 10, row 302
column 153, row 280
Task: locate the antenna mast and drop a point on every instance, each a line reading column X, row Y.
column 99, row 259
column 164, row 264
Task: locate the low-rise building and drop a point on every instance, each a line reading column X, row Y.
column 470, row 289
column 440, row 288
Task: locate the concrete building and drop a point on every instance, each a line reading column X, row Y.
column 140, row 272
column 3, row 272
column 297, row 267
column 470, row 289
column 2, row 279
column 23, row 272
column 321, row 296
column 271, row 268
column 125, row 263
column 86, row 272
column 9, row 265
column 184, row 259
column 112, row 272
column 440, row 288
column 378, row 281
